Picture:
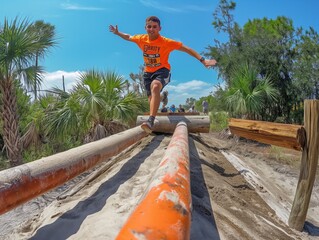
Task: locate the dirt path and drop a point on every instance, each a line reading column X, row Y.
column 238, row 192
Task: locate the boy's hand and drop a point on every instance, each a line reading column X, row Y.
column 209, row 62
column 113, row 29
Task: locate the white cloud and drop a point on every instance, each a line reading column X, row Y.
column 68, row 6
column 55, row 79
column 193, row 85
column 177, row 94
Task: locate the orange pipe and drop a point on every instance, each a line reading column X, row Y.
column 165, row 212
column 22, row 183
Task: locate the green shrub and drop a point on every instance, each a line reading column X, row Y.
column 218, row 120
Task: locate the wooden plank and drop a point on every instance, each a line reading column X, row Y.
column 308, row 167
column 167, row 124
column 278, row 134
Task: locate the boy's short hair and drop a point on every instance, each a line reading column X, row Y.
column 153, row 19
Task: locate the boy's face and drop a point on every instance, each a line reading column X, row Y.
column 152, row 29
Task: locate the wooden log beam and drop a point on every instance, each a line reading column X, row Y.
column 22, row 183
column 165, row 211
column 278, row 134
column 308, row 167
column 174, row 113
column 167, row 124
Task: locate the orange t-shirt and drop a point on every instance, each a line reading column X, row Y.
column 155, row 52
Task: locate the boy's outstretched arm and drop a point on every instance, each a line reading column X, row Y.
column 206, row 62
column 115, row 30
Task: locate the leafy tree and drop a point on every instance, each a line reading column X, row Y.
column 18, row 48
column 224, row 21
column 266, row 44
column 189, row 103
column 95, row 108
column 269, row 43
column 277, row 50
column 35, row 133
column 248, row 94
column 218, row 102
column 306, row 66
column 223, row 51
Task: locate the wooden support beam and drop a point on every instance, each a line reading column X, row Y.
column 175, row 113
column 308, row 167
column 278, row 134
column 165, row 212
column 22, row 183
column 167, row 124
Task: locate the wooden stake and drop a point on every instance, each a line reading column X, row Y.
column 308, row 168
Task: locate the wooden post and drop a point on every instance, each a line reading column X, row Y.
column 309, row 162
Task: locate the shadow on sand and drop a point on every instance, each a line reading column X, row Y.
column 69, row 222
column 203, row 224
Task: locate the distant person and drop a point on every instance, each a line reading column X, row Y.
column 156, row 50
column 192, row 109
column 180, row 108
column 205, row 107
column 164, row 109
column 172, row 108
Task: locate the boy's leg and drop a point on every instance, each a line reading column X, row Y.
column 154, row 82
column 155, row 98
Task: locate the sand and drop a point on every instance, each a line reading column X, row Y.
column 238, row 192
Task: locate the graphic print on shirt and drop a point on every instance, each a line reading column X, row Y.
column 151, row 56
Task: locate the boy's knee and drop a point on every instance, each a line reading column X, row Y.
column 156, row 86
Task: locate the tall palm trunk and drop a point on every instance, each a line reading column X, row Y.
column 35, row 78
column 9, row 115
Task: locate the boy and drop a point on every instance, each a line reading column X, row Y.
column 156, row 50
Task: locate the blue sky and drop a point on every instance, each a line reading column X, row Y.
column 85, row 43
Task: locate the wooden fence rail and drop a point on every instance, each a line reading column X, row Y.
column 278, row 134
column 305, row 138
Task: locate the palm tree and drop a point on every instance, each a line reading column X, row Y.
column 44, row 31
column 248, row 94
column 95, row 106
column 18, row 48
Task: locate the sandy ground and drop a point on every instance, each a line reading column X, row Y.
column 239, row 191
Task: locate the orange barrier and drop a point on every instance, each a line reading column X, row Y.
column 165, row 212
column 27, row 181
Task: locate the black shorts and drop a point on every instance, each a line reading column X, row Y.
column 163, row 75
